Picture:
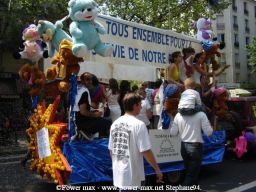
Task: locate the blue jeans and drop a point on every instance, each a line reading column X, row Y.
column 192, row 154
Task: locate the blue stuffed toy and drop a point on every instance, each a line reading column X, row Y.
column 85, row 30
column 53, row 34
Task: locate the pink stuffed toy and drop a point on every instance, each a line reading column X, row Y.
column 241, row 145
column 33, row 47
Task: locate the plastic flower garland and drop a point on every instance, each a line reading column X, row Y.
column 54, row 165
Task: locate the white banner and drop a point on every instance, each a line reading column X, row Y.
column 134, row 45
column 165, row 147
column 138, row 44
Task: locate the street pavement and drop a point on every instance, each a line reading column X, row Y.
column 232, row 175
column 14, row 178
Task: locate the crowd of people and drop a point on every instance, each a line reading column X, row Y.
column 183, row 64
column 125, row 114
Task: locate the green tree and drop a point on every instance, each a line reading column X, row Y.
column 16, row 14
column 251, row 48
column 167, row 14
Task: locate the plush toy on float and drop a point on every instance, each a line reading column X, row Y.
column 85, row 30
column 210, row 49
column 33, row 47
column 33, row 77
column 64, row 61
column 204, row 32
column 64, row 65
column 52, row 34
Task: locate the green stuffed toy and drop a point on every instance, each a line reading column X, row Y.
column 85, row 30
column 53, row 34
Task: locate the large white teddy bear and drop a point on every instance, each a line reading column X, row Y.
column 85, row 30
column 204, row 32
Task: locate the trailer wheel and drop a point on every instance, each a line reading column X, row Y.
column 174, row 177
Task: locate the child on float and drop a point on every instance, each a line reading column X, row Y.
column 190, row 101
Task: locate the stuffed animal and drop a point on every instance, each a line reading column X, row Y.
column 30, row 33
column 240, row 145
column 220, row 107
column 171, row 98
column 206, row 36
column 53, row 34
column 85, row 30
column 65, row 63
column 33, row 47
column 34, row 77
column 210, row 54
column 204, row 32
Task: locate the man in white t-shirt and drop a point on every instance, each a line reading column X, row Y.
column 128, row 144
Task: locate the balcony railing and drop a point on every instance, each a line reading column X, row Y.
column 247, row 29
column 220, row 26
column 235, row 26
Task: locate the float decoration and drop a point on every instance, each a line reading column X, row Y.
column 204, row 31
column 34, row 77
column 53, row 165
column 65, row 64
column 85, row 30
column 52, row 34
column 210, row 49
column 240, row 145
column 220, row 106
column 33, row 47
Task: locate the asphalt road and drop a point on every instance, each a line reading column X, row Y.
column 232, row 175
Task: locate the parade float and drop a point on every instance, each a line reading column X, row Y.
column 138, row 52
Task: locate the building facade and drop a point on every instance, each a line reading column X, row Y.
column 236, row 27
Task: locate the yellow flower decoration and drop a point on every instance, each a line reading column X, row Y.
column 54, row 165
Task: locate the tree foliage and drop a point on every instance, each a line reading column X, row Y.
column 251, row 48
column 168, row 14
column 14, row 14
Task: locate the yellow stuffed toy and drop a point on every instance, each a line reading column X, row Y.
column 34, row 77
column 65, row 63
